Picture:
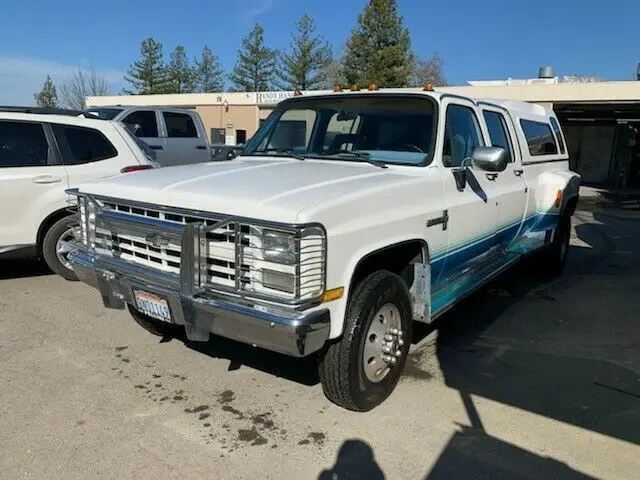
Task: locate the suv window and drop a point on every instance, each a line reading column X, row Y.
column 556, row 129
column 146, row 119
column 23, row 144
column 498, row 131
column 180, row 125
column 539, row 138
column 461, row 136
column 83, row 145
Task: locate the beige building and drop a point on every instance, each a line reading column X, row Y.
column 601, row 120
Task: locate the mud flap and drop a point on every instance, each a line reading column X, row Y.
column 421, row 292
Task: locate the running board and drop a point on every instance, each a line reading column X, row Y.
column 450, row 291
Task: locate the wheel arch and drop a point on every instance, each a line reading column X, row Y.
column 48, row 222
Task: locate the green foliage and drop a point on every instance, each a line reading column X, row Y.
column 181, row 77
column 149, row 74
column 254, row 68
column 302, row 66
column 379, row 49
column 209, row 73
column 48, row 96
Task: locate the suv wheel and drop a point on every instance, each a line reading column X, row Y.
column 554, row 257
column 361, row 369
column 57, row 243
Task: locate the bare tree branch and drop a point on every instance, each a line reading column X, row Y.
column 79, row 85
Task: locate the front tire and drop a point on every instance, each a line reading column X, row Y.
column 361, row 369
column 56, row 245
column 151, row 325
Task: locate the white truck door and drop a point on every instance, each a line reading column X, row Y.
column 184, row 144
column 32, row 182
column 472, row 210
column 509, row 185
column 145, row 124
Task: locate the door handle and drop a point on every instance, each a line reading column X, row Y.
column 156, row 147
column 46, row 179
column 492, row 176
column 517, row 173
column 201, row 147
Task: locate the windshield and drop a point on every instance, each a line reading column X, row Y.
column 105, row 113
column 378, row 129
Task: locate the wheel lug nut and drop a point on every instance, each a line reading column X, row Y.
column 400, row 342
column 393, row 360
column 386, row 349
column 388, row 338
column 398, row 353
column 393, row 331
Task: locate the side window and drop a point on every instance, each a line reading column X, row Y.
column 462, row 134
column 556, row 129
column 23, row 144
column 498, row 131
column 81, row 145
column 143, row 123
column 539, row 138
column 180, row 125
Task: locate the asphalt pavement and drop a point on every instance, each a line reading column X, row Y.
column 526, row 379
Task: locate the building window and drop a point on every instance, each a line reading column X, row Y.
column 218, row 135
column 539, row 138
column 241, row 137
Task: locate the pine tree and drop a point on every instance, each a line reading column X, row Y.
column 255, row 65
column 209, row 72
column 180, row 76
column 48, row 96
column 302, row 66
column 149, row 74
column 379, row 49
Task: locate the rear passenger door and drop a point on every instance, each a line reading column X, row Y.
column 146, row 125
column 509, row 185
column 184, row 144
column 32, row 180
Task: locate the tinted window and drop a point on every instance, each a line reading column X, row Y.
column 498, row 131
column 462, row 135
column 106, row 113
column 180, row 125
column 556, row 129
column 539, row 137
column 146, row 119
column 23, row 144
column 83, row 145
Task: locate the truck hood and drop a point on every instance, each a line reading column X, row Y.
column 275, row 189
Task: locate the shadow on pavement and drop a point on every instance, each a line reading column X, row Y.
column 22, row 263
column 355, row 461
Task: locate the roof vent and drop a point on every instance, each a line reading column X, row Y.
column 546, row 72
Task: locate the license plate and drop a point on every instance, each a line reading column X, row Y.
column 152, row 305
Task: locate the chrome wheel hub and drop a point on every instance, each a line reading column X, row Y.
column 65, row 244
column 383, row 344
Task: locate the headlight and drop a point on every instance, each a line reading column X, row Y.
column 88, row 221
column 279, row 247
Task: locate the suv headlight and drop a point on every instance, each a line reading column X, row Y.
column 279, row 247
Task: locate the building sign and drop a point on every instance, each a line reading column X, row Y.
column 272, row 98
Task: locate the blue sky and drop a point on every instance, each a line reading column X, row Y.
column 489, row 39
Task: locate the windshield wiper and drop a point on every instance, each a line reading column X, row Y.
column 364, row 156
column 281, row 151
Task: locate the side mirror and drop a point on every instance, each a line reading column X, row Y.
column 489, row 159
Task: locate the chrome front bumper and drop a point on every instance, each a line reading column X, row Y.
column 281, row 330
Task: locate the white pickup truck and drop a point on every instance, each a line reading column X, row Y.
column 346, row 218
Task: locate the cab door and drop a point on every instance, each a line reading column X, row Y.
column 509, row 185
column 472, row 208
column 184, row 142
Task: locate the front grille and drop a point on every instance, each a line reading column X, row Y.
column 231, row 255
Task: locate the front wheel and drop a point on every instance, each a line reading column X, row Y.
column 57, row 243
column 151, row 325
column 361, row 369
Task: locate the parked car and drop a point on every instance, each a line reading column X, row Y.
column 347, row 218
column 221, row 151
column 176, row 134
column 42, row 153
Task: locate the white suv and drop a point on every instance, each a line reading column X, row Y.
column 42, row 153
